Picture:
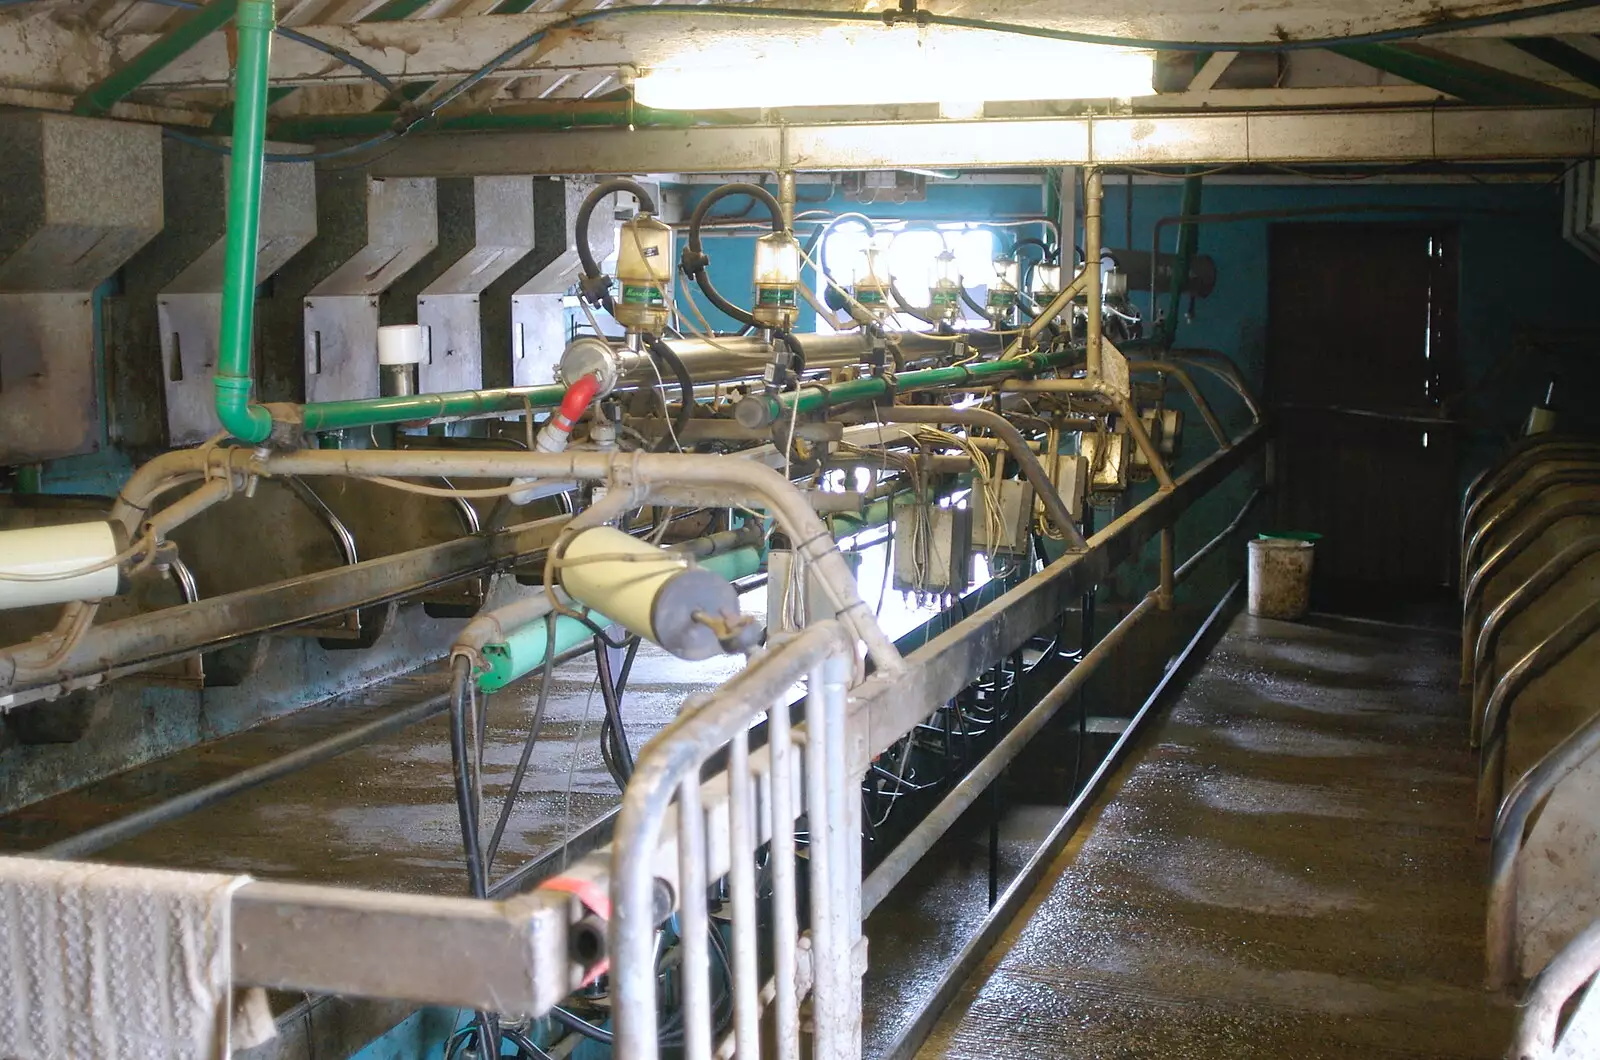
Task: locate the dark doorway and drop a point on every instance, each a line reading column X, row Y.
column 1361, row 348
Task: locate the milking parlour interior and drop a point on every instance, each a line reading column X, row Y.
column 935, row 529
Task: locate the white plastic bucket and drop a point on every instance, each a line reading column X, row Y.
column 1280, row 577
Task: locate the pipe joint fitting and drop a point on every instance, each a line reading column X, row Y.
column 256, row 14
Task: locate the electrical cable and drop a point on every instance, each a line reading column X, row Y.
column 534, row 726
column 663, row 353
column 289, row 33
column 467, row 803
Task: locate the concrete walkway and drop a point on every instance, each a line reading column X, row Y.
column 1285, row 868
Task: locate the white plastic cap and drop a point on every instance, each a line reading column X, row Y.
column 400, row 344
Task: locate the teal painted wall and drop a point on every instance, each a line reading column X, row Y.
column 1517, row 278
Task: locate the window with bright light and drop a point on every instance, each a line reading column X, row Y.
column 910, row 260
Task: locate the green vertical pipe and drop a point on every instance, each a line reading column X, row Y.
column 28, row 476
column 112, row 89
column 241, row 417
column 1188, row 242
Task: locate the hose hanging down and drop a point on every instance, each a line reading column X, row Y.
column 596, row 286
column 694, row 261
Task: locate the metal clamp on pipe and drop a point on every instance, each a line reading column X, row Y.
column 688, row 610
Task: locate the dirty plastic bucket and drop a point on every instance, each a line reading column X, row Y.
column 1280, row 576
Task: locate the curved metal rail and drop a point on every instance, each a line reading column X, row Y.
column 1510, row 831
column 1523, row 597
column 1538, row 1032
column 1518, row 502
column 1499, row 559
column 1497, row 713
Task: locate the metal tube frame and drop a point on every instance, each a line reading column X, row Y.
column 1510, row 831
column 1523, row 597
column 1570, row 971
column 1497, row 712
column 1499, row 559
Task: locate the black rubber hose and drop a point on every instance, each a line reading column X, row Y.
column 591, row 268
column 461, row 754
column 664, row 355
column 907, row 308
column 694, row 260
column 1044, row 248
column 786, row 337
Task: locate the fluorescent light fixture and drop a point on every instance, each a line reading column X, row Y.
column 952, row 73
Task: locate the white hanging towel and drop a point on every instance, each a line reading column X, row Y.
column 114, row 963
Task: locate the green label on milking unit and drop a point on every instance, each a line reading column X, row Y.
column 944, row 297
column 1002, row 299
column 650, row 296
column 870, row 296
column 775, row 297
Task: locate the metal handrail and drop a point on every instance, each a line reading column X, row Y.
column 1523, row 597
column 1511, row 472
column 1501, row 557
column 1567, row 973
column 757, row 794
column 1519, row 501
column 1497, row 714
column 1176, row 371
column 1516, row 462
column 1510, row 829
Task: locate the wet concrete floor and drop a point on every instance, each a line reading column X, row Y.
column 1285, row 868
column 383, row 816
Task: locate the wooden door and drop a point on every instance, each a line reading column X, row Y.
column 1361, row 349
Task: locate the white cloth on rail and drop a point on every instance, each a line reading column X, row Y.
column 114, row 962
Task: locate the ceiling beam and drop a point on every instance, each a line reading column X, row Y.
column 1216, row 64
column 1468, row 81
column 163, row 50
column 1562, row 56
column 1398, row 135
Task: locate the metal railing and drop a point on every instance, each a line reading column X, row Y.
column 718, row 831
column 1540, row 1033
column 1510, row 834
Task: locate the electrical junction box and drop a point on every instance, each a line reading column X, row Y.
column 1165, row 434
column 1107, row 457
column 814, row 605
column 1014, row 501
column 932, row 548
column 1071, row 476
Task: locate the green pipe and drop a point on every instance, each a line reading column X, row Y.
column 242, row 418
column 457, row 404
column 1188, row 243
column 740, row 563
column 813, row 399
column 523, row 650
column 100, row 97
column 28, row 476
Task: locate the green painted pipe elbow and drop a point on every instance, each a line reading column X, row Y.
column 239, row 416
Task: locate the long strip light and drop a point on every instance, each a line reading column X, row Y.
column 815, row 77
